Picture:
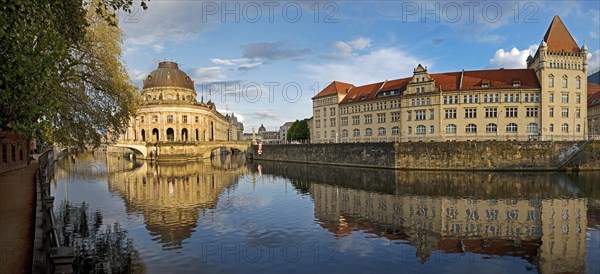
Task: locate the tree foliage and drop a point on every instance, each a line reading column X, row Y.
column 298, row 131
column 61, row 77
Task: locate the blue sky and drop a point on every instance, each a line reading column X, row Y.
column 264, row 61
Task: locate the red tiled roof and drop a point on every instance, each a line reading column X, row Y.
column 450, row 81
column 593, row 99
column 593, row 88
column 335, row 87
column 559, row 39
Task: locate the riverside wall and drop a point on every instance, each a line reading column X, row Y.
column 483, row 155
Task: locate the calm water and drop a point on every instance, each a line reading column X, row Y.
column 229, row 215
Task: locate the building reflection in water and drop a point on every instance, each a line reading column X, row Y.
column 171, row 196
column 538, row 217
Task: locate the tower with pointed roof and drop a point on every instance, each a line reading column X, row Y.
column 561, row 67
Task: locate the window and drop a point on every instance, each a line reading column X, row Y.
column 565, row 113
column 512, row 127
column 565, row 82
column 381, row 131
column 551, row 128
column 450, row 113
column 491, row 128
column 169, row 118
column 333, row 134
column 578, row 99
column 471, row 128
column 317, row 123
column 395, row 131
column 380, row 117
column 356, row 120
column 344, row 121
column 551, row 112
column 421, row 129
column 409, row 115
column 409, row 130
column 332, row 122
column 196, row 119
column 531, row 112
column 471, row 113
column 184, row 118
column 318, row 134
column 317, row 113
column 577, row 113
column 324, row 134
column 578, row 128
column 356, row 132
column 551, row 82
column 511, row 112
column 368, row 132
column 565, row 97
column 565, row 127
column 551, row 98
column 324, row 122
column 578, row 83
column 491, row 112
column 451, row 128
column 395, row 116
column 431, row 129
column 345, row 133
column 141, row 119
column 420, row 115
column 4, row 153
column 431, row 114
column 532, row 127
column 154, row 118
column 332, row 111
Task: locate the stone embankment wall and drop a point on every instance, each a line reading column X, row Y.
column 486, row 155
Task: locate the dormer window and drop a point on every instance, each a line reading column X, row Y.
column 516, row 83
column 485, row 84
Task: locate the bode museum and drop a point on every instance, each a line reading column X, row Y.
column 169, row 114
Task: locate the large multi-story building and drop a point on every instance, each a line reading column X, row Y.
column 169, row 112
column 546, row 101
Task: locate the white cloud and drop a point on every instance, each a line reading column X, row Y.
column 347, row 48
column 208, row 75
column 594, row 61
column 158, row 48
column 374, row 66
column 512, row 59
column 137, row 74
column 239, row 64
column 360, row 43
column 594, row 34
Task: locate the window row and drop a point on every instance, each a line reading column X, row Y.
column 169, row 119
column 493, row 98
column 491, row 127
column 368, row 132
column 565, row 81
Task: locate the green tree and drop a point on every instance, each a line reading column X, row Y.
column 60, row 73
column 298, row 131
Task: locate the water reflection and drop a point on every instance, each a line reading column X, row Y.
column 172, row 196
column 539, row 217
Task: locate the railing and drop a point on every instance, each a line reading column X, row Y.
column 570, row 155
column 48, row 255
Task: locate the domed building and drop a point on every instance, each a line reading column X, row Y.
column 169, row 112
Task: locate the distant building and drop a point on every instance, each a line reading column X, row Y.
column 593, row 110
column 268, row 137
column 283, row 130
column 546, row 101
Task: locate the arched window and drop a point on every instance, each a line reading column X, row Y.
column 409, row 130
column 395, row 131
column 431, row 129
column 143, row 135
column 170, row 134
column 532, row 127
column 356, row 132
column 155, row 135
column 451, row 128
column 318, row 134
column 381, row 131
column 578, row 82
column 551, row 81
column 551, row 128
column 565, row 81
column 471, row 128
column 421, row 129
column 368, row 132
column 491, row 128
column 565, row 127
column 345, row 133
column 333, row 134
column 512, row 127
column 578, row 128
column 184, row 134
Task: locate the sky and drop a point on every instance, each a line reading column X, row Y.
column 264, row 61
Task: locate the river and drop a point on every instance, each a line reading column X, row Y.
column 231, row 215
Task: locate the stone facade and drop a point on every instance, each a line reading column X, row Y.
column 546, row 101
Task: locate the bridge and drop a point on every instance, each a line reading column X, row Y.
column 180, row 150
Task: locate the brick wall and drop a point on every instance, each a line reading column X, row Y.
column 14, row 151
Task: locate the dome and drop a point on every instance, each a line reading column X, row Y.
column 168, row 74
column 262, row 128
